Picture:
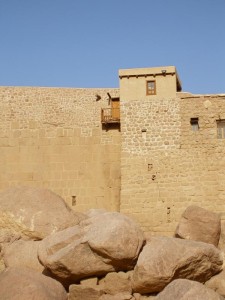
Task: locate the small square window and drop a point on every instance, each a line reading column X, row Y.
column 194, row 124
column 220, row 129
column 151, row 87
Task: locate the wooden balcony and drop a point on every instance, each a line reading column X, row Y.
column 110, row 115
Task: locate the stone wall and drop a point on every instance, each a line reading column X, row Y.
column 203, row 153
column 165, row 165
column 53, row 137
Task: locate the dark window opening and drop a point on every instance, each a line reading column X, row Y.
column 220, row 129
column 74, row 200
column 194, row 124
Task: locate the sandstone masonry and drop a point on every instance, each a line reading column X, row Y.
column 163, row 153
column 53, row 137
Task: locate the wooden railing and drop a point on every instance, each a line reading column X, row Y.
column 110, row 115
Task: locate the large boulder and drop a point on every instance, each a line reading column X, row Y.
column 22, row 254
column 26, row 284
column 116, row 237
column 165, row 259
column 34, row 213
column 199, row 224
column 187, row 290
column 103, row 243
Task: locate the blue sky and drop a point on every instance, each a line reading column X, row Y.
column 83, row 43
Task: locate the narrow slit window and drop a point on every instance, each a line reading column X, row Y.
column 220, row 129
column 74, row 200
column 151, row 87
column 194, row 124
column 143, row 133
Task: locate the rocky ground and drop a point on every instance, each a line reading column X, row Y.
column 50, row 252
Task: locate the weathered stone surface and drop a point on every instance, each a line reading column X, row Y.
column 115, row 283
column 187, row 290
column 116, row 237
column 165, row 259
column 22, row 254
column 217, row 283
column 69, row 258
column 6, row 238
column 91, row 282
column 94, row 212
column 222, row 236
column 199, row 224
column 138, row 296
column 82, row 292
column 26, row 284
column 2, row 264
column 34, row 213
column 101, row 244
column 120, row 296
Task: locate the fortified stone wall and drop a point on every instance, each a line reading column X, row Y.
column 53, row 137
column 150, row 133
column 203, row 153
column 165, row 165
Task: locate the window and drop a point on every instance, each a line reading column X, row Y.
column 151, row 87
column 194, row 124
column 220, row 129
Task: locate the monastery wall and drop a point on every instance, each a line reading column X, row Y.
column 167, row 156
column 165, row 164
column 53, row 137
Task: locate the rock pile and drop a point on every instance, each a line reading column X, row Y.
column 50, row 252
